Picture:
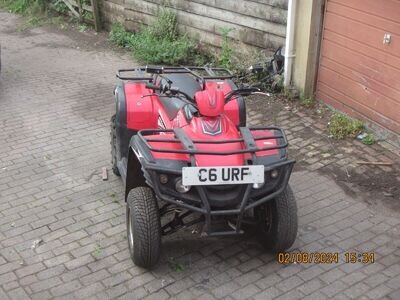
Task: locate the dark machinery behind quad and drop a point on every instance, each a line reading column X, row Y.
column 181, row 145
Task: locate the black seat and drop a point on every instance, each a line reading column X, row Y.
column 172, row 106
column 187, row 84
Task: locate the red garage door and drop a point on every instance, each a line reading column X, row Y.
column 359, row 69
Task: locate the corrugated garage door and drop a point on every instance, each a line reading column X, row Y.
column 359, row 73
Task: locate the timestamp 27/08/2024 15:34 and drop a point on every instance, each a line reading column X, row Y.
column 325, row 257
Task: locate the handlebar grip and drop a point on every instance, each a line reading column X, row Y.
column 153, row 87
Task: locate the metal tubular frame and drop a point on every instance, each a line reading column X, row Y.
column 189, row 147
column 155, row 71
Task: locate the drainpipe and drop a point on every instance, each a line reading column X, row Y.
column 290, row 32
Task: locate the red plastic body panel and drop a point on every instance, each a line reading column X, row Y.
column 232, row 111
column 140, row 111
column 147, row 113
column 265, row 143
column 169, row 146
column 195, row 132
column 218, row 85
column 210, row 102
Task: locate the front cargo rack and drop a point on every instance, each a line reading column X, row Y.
column 200, row 73
column 189, row 145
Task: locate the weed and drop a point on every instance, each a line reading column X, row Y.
column 40, row 12
column 149, row 49
column 307, row 102
column 26, row 7
column 160, row 43
column 30, row 23
column 119, row 36
column 176, row 266
column 291, row 93
column 287, row 94
column 200, row 59
column 280, row 83
column 369, row 139
column 225, row 59
column 165, row 27
column 97, row 250
column 59, row 21
column 341, row 126
column 59, row 6
column 82, row 28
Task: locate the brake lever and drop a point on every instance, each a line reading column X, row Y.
column 149, row 95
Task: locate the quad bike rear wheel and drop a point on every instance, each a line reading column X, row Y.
column 114, row 147
column 278, row 221
column 143, row 227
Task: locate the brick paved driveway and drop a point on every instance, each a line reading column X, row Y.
column 55, row 104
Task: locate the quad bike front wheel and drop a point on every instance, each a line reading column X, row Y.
column 278, row 221
column 143, row 227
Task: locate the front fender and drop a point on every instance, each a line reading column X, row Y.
column 134, row 173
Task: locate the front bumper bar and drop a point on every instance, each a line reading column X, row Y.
column 206, row 210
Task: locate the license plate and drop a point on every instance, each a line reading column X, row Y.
column 222, row 175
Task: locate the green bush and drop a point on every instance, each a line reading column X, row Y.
column 160, row 43
column 369, row 139
column 25, row 7
column 307, row 102
column 59, row 6
column 152, row 50
column 225, row 58
column 165, row 27
column 119, row 36
column 37, row 10
column 341, row 126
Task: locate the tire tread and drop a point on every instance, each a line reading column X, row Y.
column 147, row 228
column 287, row 226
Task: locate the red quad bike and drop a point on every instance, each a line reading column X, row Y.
column 182, row 148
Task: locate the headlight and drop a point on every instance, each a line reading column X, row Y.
column 258, row 186
column 180, row 187
column 163, row 179
column 274, row 174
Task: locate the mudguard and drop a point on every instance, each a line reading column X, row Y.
column 123, row 134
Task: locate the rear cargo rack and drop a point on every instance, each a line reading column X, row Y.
column 201, row 73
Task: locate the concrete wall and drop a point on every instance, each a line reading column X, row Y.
column 255, row 23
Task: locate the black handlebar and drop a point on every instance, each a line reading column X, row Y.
column 153, row 87
column 241, row 92
column 168, row 90
column 172, row 91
